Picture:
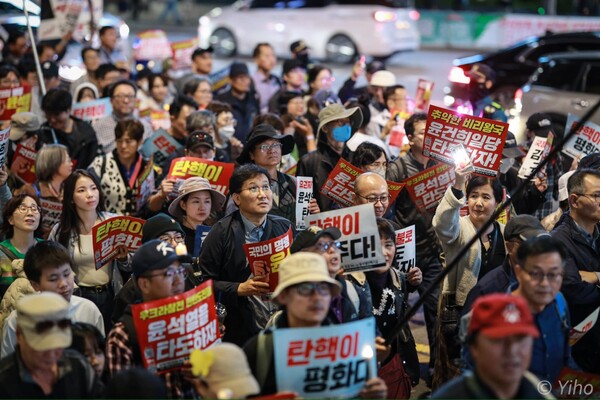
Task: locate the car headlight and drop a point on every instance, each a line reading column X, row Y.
column 124, row 31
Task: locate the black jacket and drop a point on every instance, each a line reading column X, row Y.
column 222, row 259
column 81, row 142
column 319, row 165
column 497, row 280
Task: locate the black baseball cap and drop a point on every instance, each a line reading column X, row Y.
column 237, row 69
column 523, row 227
column 199, row 51
column 199, row 138
column 311, row 235
column 159, row 224
column 154, row 255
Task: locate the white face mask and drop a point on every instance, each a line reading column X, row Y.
column 227, row 131
column 379, row 171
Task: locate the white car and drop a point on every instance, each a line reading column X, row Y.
column 337, row 31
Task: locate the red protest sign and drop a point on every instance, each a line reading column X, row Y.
column 23, row 163
column 423, row 96
column 14, row 100
column 264, row 257
column 217, row 173
column 482, row 138
column 427, row 188
column 169, row 329
column 182, row 53
column 114, row 232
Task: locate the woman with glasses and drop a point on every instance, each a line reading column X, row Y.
column 370, row 158
column 83, row 208
column 126, row 178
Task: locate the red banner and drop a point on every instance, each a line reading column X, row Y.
column 264, row 257
column 169, row 329
column 482, row 138
column 182, row 53
column 423, row 96
column 428, row 187
column 23, row 163
column 217, row 173
column 13, row 101
column 117, row 231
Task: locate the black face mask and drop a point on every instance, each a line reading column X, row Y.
column 477, row 91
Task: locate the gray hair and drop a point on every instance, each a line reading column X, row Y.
column 48, row 160
column 199, row 119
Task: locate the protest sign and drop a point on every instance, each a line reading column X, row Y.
column 428, row 187
column 540, row 147
column 325, row 362
column 51, row 211
column 13, row 101
column 304, row 193
column 423, row 96
column 264, row 257
column 58, row 17
column 360, row 243
column 219, row 79
column 201, row 232
column 151, row 45
column 110, row 234
column 586, row 139
column 573, row 384
column 182, row 53
column 4, row 136
column 577, row 332
column 217, row 173
column 144, row 185
column 160, row 145
column 169, row 329
column 91, row 110
column 482, row 138
column 406, row 254
column 23, row 163
column 160, row 119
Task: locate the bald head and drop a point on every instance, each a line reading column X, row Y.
column 370, row 187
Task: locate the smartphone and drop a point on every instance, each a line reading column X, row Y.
column 363, row 63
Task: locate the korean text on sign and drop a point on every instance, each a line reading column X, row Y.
column 482, row 138
column 428, row 187
column 4, row 136
column 169, row 329
column 114, row 232
column 540, row 147
column 13, row 101
column 304, row 193
column 23, row 163
column 586, row 139
column 326, row 361
column 91, row 110
column 160, row 146
column 264, row 257
column 217, row 173
column 339, row 186
column 51, row 211
column 360, row 243
column 406, row 254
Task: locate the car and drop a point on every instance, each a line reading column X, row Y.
column 338, row 31
column 514, row 65
column 563, row 83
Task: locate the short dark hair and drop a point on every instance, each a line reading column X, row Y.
column 178, row 103
column 478, row 181
column 13, row 36
column 366, row 153
column 242, row 174
column 7, row 229
column 389, row 91
column 131, row 127
column 575, row 182
column 81, row 332
column 115, row 85
column 540, row 245
column 409, row 124
column 104, row 69
column 385, row 229
column 56, row 101
column 5, row 69
column 270, row 119
column 258, row 47
column 105, row 28
column 152, row 80
column 44, row 255
column 86, row 50
column 218, row 107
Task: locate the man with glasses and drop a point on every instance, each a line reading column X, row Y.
column 578, row 232
column 222, row 257
column 370, row 187
column 158, row 274
column 122, row 98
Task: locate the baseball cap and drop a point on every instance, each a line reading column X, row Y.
column 199, row 138
column 199, row 51
column 383, row 78
column 298, row 46
column 303, row 267
column 523, row 227
column 159, row 224
column 311, row 235
column 261, row 133
column 192, row 185
column 50, row 69
column 237, row 69
column 21, row 123
column 337, row 111
column 482, row 69
column 590, row 161
column 44, row 320
column 563, row 191
column 289, row 65
column 154, row 255
column 540, row 124
column 374, row 66
column 511, row 149
column 501, row 315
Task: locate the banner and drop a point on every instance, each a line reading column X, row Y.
column 482, row 138
column 217, row 173
column 264, row 257
column 201, row 233
column 151, row 45
column 144, row 185
column 304, row 193
column 585, row 141
column 182, row 53
column 59, row 17
column 423, row 96
column 51, row 211
column 169, row 329
column 406, row 253
column 4, row 136
column 219, row 79
column 114, row 232
column 13, row 101
column 160, row 145
column 23, row 163
column 326, row 362
column 427, row 188
column 360, row 243
column 540, row 147
column 92, row 110
column 577, row 332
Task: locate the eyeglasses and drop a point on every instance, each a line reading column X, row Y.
column 267, row 147
column 45, row 326
column 309, row 288
column 594, row 196
column 384, row 198
column 256, row 189
column 322, row 247
column 538, row 276
column 229, row 121
column 172, row 238
column 34, row 209
column 10, row 82
column 124, row 96
column 126, row 142
column 170, row 273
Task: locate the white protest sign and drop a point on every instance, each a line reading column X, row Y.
column 586, row 139
column 537, row 152
column 406, row 253
column 577, row 332
column 360, row 243
column 304, row 193
column 326, row 362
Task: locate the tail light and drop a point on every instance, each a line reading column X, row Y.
column 414, row 15
column 518, row 95
column 384, row 16
column 457, row 75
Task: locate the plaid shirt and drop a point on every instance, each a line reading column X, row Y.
column 105, row 131
column 119, row 356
